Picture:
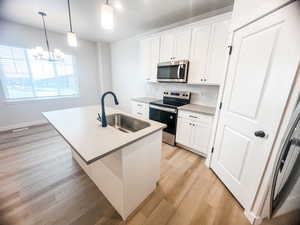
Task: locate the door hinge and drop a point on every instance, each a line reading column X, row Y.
column 220, row 106
column 212, row 150
column 230, row 49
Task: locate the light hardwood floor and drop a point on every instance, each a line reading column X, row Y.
column 40, row 184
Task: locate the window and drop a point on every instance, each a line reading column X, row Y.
column 23, row 76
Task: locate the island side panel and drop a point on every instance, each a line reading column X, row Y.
column 107, row 174
column 141, row 170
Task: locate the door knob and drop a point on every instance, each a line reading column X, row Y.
column 260, row 133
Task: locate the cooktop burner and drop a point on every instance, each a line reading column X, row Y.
column 168, row 103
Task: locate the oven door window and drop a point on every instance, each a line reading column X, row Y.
column 167, row 118
column 171, row 72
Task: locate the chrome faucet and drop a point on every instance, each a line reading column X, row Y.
column 102, row 118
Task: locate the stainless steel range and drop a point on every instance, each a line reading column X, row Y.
column 165, row 111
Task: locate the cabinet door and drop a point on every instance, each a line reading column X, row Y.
column 183, row 132
column 150, row 57
column 199, row 53
column 218, row 52
column 155, row 44
column 200, row 137
column 145, row 46
column 181, row 48
column 166, row 47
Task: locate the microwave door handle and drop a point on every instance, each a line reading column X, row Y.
column 178, row 72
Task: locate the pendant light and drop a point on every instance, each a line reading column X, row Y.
column 71, row 36
column 107, row 16
column 40, row 53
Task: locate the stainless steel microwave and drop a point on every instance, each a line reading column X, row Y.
column 174, row 71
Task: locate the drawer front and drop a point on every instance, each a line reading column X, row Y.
column 196, row 117
column 140, row 109
column 139, row 105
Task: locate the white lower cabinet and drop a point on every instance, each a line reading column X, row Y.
column 183, row 133
column 194, row 131
column 140, row 109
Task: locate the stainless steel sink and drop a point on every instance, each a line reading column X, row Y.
column 125, row 123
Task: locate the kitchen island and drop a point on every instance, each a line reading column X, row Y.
column 122, row 159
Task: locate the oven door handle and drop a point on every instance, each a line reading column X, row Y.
column 163, row 108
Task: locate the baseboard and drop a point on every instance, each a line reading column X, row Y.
column 190, row 149
column 253, row 219
column 22, row 125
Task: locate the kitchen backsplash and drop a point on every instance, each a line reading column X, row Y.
column 204, row 95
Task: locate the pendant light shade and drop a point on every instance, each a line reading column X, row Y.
column 107, row 16
column 72, row 39
column 71, row 36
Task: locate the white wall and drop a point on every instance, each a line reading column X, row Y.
column 86, row 54
column 104, row 66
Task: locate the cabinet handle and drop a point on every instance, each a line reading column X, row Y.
column 191, row 116
column 139, row 105
column 139, row 113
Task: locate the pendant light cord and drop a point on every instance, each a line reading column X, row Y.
column 45, row 31
column 70, row 18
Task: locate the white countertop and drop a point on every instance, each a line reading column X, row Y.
column 145, row 99
column 84, row 133
column 210, row 110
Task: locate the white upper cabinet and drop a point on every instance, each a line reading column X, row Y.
column 182, row 40
column 218, row 52
column 203, row 43
column 199, row 54
column 209, row 52
column 150, row 57
column 175, row 45
column 166, row 47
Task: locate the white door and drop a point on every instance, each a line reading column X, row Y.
column 199, row 53
column 261, row 70
column 218, row 52
column 182, row 40
column 166, row 47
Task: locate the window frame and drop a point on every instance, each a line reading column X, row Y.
column 8, row 100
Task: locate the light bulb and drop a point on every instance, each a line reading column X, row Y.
column 58, row 54
column 107, row 17
column 72, row 39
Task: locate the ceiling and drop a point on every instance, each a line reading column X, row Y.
column 131, row 18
